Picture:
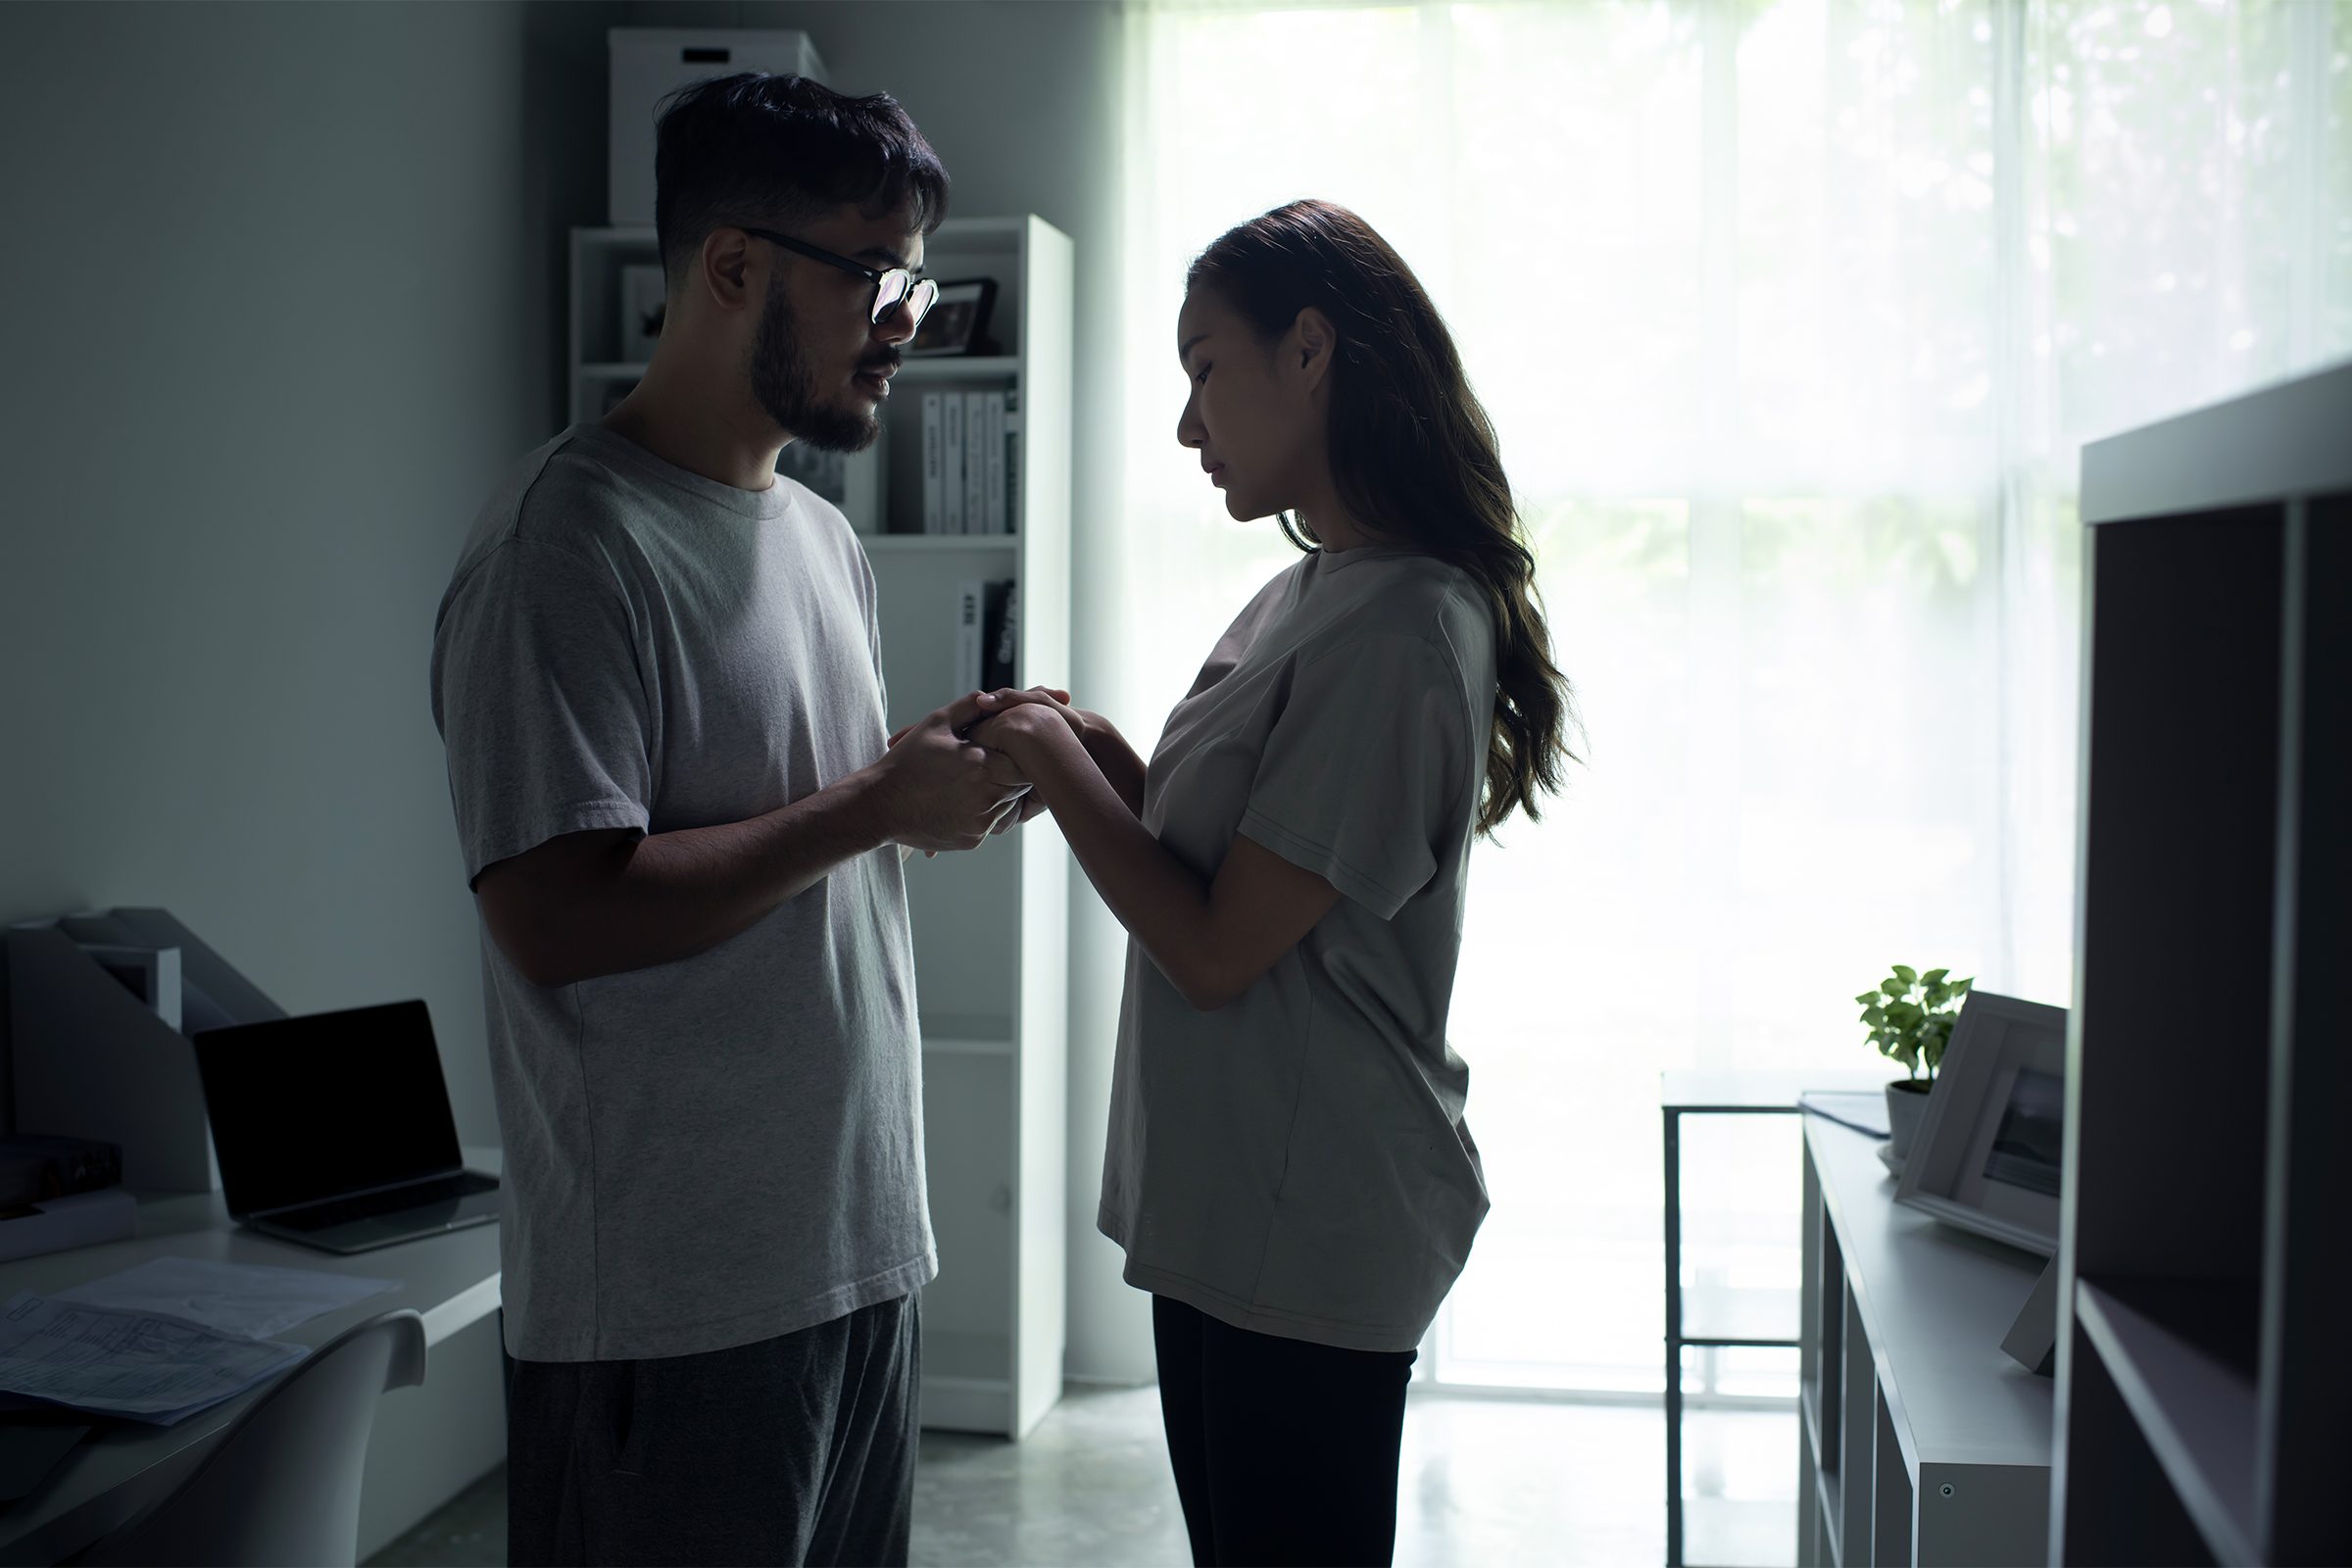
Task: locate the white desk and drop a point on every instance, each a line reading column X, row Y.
column 452, row 1279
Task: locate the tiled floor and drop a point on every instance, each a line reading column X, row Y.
column 1479, row 1482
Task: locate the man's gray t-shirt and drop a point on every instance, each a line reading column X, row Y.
column 1296, row 1162
column 713, row 1152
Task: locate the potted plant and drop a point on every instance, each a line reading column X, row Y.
column 1910, row 1017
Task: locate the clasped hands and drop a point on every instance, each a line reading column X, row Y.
column 954, row 775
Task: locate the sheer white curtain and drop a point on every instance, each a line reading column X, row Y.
column 1793, row 315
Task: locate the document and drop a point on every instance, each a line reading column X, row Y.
column 1864, row 1112
column 248, row 1299
column 136, row 1364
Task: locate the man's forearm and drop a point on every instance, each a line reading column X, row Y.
column 669, row 896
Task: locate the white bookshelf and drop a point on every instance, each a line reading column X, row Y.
column 990, row 928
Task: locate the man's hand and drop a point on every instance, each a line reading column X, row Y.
column 1036, row 803
column 936, row 791
column 988, row 703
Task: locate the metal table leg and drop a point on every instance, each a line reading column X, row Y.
column 1674, row 1337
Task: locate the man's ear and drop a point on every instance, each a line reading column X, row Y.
column 1312, row 343
column 725, row 274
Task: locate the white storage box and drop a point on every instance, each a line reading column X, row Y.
column 651, row 63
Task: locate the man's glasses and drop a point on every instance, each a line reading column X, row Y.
column 893, row 287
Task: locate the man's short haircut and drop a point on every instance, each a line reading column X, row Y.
column 780, row 151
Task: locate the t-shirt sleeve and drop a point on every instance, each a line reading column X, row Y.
column 1362, row 773
column 542, row 711
column 867, row 595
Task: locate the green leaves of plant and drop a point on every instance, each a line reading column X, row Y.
column 1913, row 1030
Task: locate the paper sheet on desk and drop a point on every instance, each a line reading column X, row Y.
column 1864, row 1112
column 249, row 1299
column 136, row 1364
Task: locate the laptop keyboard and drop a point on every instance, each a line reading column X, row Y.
column 345, row 1210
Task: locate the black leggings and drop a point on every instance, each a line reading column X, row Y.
column 1285, row 1452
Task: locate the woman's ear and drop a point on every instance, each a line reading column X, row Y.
column 1310, row 346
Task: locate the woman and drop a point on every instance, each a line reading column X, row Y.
column 1287, row 1168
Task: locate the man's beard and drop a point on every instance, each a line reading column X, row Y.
column 782, row 382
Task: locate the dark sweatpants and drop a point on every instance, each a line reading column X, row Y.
column 1285, row 1452
column 794, row 1449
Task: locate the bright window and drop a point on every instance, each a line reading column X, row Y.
column 1793, row 317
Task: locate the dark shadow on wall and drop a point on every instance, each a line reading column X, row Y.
column 564, row 77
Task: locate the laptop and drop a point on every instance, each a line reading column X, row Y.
column 334, row 1130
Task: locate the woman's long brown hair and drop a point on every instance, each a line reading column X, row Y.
column 1412, row 455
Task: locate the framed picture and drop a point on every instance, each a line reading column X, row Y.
column 850, row 480
column 958, row 322
column 1990, row 1151
column 642, row 307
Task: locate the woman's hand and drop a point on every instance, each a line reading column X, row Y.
column 1004, row 699
column 1104, row 745
column 1021, row 722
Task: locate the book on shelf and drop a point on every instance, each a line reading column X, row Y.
column 987, row 633
column 951, row 466
column 992, row 485
column 1000, row 630
column 1011, row 484
column 972, row 462
column 934, row 455
column 975, row 462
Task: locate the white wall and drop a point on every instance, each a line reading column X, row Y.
column 284, row 294
column 285, row 288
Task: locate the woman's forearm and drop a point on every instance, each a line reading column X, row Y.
column 1116, row 762
column 1160, row 901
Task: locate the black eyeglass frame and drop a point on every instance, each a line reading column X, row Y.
column 911, row 287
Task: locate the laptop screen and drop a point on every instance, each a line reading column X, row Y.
column 314, row 1107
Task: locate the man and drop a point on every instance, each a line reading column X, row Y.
column 658, row 675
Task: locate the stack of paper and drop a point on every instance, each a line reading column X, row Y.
column 136, row 1364
column 167, row 1338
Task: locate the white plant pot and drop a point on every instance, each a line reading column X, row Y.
column 1906, row 1106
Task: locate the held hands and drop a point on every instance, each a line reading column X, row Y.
column 1035, row 802
column 942, row 792
column 1017, row 720
column 1019, row 723
column 1012, row 712
column 995, row 793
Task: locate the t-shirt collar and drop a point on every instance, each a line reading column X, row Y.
column 765, row 505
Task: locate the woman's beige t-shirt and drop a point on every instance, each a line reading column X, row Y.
column 1296, row 1163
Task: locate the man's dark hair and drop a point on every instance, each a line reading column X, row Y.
column 779, row 151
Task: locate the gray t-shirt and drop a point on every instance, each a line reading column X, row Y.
column 1296, row 1162
column 703, row 1153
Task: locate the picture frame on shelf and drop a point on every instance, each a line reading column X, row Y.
column 850, row 480
column 957, row 321
column 1989, row 1154
column 644, row 303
